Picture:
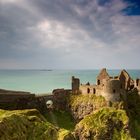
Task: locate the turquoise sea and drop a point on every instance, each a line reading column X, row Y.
column 43, row 81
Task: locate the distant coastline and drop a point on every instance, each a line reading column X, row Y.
column 46, row 70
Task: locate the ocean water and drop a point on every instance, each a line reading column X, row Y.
column 43, row 81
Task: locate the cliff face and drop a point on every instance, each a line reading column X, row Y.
column 82, row 105
column 99, row 120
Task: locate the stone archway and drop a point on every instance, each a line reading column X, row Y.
column 49, row 104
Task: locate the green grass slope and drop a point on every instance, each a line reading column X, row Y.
column 29, row 125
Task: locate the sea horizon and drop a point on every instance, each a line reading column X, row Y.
column 40, row 81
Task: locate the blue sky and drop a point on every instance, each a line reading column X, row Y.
column 69, row 34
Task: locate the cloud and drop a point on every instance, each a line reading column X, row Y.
column 64, row 33
column 9, row 1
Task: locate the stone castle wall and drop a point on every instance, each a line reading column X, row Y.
column 111, row 90
column 88, row 89
column 60, row 98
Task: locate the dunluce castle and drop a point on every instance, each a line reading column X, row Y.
column 111, row 88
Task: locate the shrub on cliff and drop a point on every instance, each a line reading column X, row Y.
column 65, row 135
column 98, row 101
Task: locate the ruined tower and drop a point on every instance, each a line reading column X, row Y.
column 75, row 84
column 112, row 90
column 126, row 82
column 103, row 76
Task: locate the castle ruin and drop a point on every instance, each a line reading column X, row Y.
column 111, row 88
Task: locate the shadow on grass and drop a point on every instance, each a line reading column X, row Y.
column 61, row 119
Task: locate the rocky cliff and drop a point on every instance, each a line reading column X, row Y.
column 82, row 105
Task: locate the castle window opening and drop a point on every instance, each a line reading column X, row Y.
column 131, row 87
column 114, row 90
column 94, row 90
column 137, row 82
column 88, row 90
column 98, row 82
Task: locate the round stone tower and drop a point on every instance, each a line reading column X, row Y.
column 112, row 90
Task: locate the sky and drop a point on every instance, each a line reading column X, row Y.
column 69, row 34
